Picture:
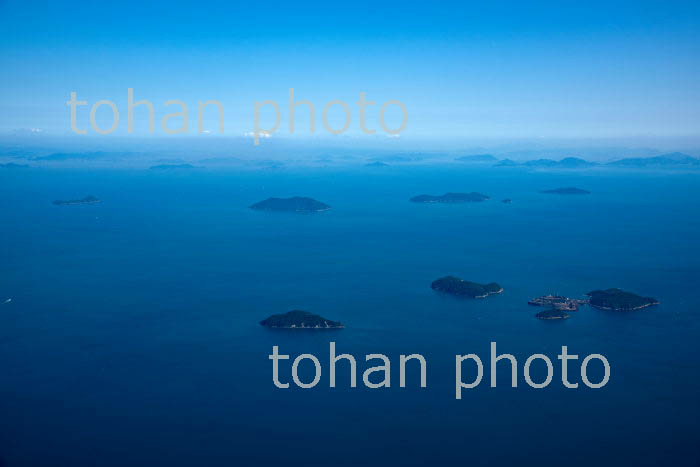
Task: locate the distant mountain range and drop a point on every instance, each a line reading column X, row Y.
column 673, row 160
column 670, row 160
column 664, row 160
column 566, row 163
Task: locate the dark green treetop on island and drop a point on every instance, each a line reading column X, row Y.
column 461, row 288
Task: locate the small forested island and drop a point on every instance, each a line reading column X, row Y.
column 450, row 198
column 461, row 288
column 12, row 165
column 619, row 300
column 298, row 319
column 294, row 204
column 507, row 201
column 376, row 164
column 172, row 166
column 86, row 200
column 567, row 191
column 552, row 314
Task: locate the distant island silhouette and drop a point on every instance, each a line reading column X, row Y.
column 450, row 198
column 673, row 160
column 670, row 160
column 477, row 158
column 86, row 200
column 173, row 166
column 294, row 204
column 567, row 191
column 566, row 163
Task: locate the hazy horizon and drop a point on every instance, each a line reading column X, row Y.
column 192, row 148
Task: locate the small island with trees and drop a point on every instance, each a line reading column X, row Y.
column 298, row 319
column 294, row 204
column 460, row 288
column 619, row 300
column 86, row 200
column 451, row 198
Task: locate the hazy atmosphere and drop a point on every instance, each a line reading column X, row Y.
column 366, row 234
column 464, row 70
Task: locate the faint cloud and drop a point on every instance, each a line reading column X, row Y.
column 251, row 134
column 27, row 131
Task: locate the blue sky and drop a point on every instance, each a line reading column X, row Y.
column 464, row 70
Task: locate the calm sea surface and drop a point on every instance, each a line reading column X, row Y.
column 132, row 337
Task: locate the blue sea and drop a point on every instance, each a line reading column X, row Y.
column 133, row 336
